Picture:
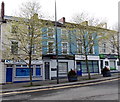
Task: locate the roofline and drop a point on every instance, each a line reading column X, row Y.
column 64, row 24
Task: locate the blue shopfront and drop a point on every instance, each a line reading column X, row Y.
column 20, row 72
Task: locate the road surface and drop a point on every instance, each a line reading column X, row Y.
column 95, row 91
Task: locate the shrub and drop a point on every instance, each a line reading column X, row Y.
column 72, row 73
column 105, row 69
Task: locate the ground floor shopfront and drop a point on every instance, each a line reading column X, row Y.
column 46, row 69
column 110, row 60
column 14, row 72
column 93, row 64
column 64, row 62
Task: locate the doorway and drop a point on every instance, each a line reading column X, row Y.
column 47, row 70
column 9, row 72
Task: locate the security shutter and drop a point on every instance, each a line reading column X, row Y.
column 63, row 69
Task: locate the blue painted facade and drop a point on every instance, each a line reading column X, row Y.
column 72, row 49
column 72, row 42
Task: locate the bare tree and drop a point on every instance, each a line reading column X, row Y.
column 88, row 34
column 114, row 39
column 92, row 21
column 26, row 35
column 87, row 38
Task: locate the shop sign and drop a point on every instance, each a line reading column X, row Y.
column 110, row 56
column 82, row 57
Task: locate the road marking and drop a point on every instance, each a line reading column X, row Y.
column 62, row 87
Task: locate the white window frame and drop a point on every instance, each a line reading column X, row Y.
column 104, row 48
column 48, row 47
column 92, row 50
column 67, row 48
column 53, row 32
column 82, row 50
column 34, row 49
column 15, row 30
column 11, row 46
column 112, row 48
column 64, row 34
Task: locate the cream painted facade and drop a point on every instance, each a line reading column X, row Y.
column 108, row 51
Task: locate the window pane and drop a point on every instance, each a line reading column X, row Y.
column 50, row 32
column 24, row 65
column 64, row 34
column 84, row 69
column 18, row 65
column 14, row 28
column 23, row 72
column 38, row 71
column 106, row 63
column 64, row 48
column 95, row 68
column 50, row 47
column 14, row 47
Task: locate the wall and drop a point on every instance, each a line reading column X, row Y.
column 53, row 65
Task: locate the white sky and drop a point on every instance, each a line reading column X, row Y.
column 106, row 9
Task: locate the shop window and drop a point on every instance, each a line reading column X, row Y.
column 90, row 66
column 38, row 70
column 23, row 72
column 95, row 67
column 84, row 68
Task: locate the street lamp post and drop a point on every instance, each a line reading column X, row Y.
column 56, row 44
column 118, row 47
column 1, row 56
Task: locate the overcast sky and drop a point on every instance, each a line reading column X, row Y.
column 106, row 9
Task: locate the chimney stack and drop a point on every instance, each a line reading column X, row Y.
column 62, row 20
column 2, row 11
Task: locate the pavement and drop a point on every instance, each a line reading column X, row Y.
column 53, row 83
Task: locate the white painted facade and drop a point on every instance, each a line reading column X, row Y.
column 53, row 67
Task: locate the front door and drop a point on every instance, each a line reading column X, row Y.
column 79, row 69
column 9, row 72
column 47, row 68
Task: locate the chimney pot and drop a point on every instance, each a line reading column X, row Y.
column 2, row 10
column 62, row 20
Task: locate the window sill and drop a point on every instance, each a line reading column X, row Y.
column 27, row 76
